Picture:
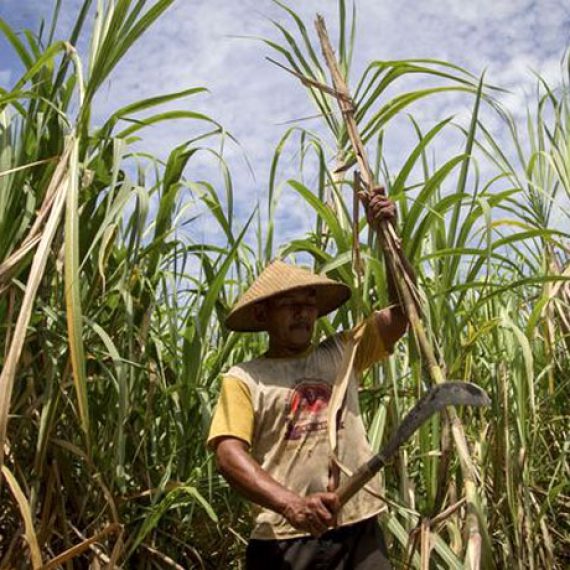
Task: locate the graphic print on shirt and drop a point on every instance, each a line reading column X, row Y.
column 308, row 408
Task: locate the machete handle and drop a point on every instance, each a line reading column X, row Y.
column 359, row 478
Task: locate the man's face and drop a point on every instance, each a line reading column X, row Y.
column 290, row 318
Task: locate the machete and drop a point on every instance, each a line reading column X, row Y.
column 440, row 396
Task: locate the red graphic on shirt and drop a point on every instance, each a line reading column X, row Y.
column 307, row 409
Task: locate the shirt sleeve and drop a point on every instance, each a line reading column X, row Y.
column 371, row 347
column 233, row 415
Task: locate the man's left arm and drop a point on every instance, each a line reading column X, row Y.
column 392, row 322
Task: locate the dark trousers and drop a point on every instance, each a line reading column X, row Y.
column 359, row 546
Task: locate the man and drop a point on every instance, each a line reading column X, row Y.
column 270, row 428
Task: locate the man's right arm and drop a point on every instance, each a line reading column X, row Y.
column 314, row 513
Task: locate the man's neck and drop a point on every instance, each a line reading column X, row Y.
column 286, row 351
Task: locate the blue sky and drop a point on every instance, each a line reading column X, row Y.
column 194, row 44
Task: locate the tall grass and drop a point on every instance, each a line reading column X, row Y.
column 97, row 399
column 113, row 317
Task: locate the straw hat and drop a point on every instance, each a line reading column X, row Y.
column 276, row 279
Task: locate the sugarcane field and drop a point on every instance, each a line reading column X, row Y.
column 284, row 285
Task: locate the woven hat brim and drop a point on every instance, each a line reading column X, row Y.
column 330, row 296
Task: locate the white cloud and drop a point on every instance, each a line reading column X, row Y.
column 5, row 77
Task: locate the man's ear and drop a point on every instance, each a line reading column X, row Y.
column 260, row 312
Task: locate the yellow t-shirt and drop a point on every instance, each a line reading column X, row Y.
column 279, row 407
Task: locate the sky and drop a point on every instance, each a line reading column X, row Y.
column 201, row 43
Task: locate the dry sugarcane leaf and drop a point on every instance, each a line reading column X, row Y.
column 24, row 506
column 78, row 549
column 8, row 374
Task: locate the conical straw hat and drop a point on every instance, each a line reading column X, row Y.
column 276, row 279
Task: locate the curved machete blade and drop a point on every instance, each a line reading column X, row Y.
column 447, row 394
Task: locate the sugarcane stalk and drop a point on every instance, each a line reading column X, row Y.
column 409, row 299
